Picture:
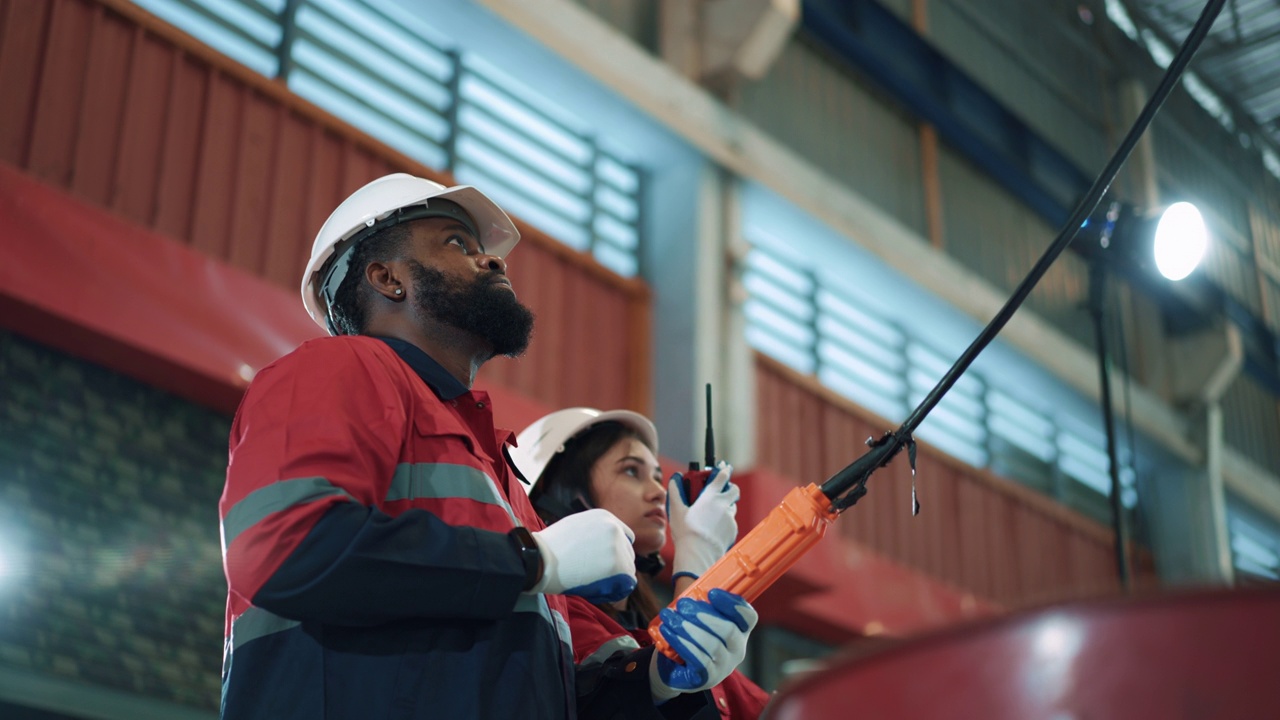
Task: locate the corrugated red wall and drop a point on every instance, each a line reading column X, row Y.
column 979, row 532
column 120, row 109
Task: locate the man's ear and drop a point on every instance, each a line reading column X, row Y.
column 384, row 278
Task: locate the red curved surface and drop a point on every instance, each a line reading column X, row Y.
column 83, row 280
column 1210, row 654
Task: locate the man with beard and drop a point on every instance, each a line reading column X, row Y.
column 382, row 559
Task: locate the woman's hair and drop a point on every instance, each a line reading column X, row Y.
column 565, row 488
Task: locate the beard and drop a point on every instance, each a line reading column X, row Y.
column 487, row 311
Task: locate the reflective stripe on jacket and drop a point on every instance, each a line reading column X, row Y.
column 364, row 525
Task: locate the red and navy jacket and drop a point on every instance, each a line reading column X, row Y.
column 597, row 638
column 369, row 571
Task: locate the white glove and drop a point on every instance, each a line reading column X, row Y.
column 587, row 554
column 703, row 532
column 711, row 638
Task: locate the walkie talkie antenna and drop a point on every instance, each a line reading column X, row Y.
column 711, row 438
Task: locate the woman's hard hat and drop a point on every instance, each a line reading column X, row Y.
column 374, row 207
column 541, row 441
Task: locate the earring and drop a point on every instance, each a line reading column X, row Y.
column 399, row 291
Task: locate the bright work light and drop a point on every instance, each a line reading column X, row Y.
column 1180, row 240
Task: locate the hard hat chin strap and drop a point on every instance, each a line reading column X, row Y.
column 334, row 271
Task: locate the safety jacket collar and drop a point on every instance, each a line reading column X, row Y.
column 441, row 382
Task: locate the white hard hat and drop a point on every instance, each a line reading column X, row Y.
column 541, row 441
column 371, row 208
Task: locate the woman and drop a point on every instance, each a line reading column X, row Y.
column 582, row 458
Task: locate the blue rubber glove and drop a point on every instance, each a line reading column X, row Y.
column 589, row 554
column 711, row 638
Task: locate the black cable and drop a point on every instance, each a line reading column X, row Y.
column 882, row 451
column 1121, row 342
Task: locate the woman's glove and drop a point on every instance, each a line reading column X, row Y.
column 589, row 554
column 711, row 638
column 704, row 531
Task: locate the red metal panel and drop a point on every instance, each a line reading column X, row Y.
column 876, row 507
column 532, row 275
column 841, row 443
column 382, row 166
column 640, row 373
column 993, row 507
column 97, row 131
column 802, row 445
column 925, row 548
column 516, row 372
column 284, row 245
column 794, row 432
column 58, row 101
column 896, row 480
column 1033, row 539
column 766, row 418
column 948, row 513
column 885, row 493
column 216, row 177
column 325, row 150
column 255, row 151
column 97, row 138
column 22, row 35
column 931, row 480
column 620, row 349
column 182, row 139
column 528, row 272
column 922, row 528
column 357, row 169
column 563, row 304
column 1038, row 559
column 1058, row 560
column 576, row 314
column 798, row 433
column 879, row 504
column 142, row 137
column 609, row 311
column 976, row 555
column 933, row 484
column 813, row 440
column 602, row 380
column 539, row 278
column 1092, row 568
column 768, row 422
column 580, row 362
column 1002, row 536
column 560, row 306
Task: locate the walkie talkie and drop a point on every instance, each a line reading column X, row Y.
column 695, row 479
